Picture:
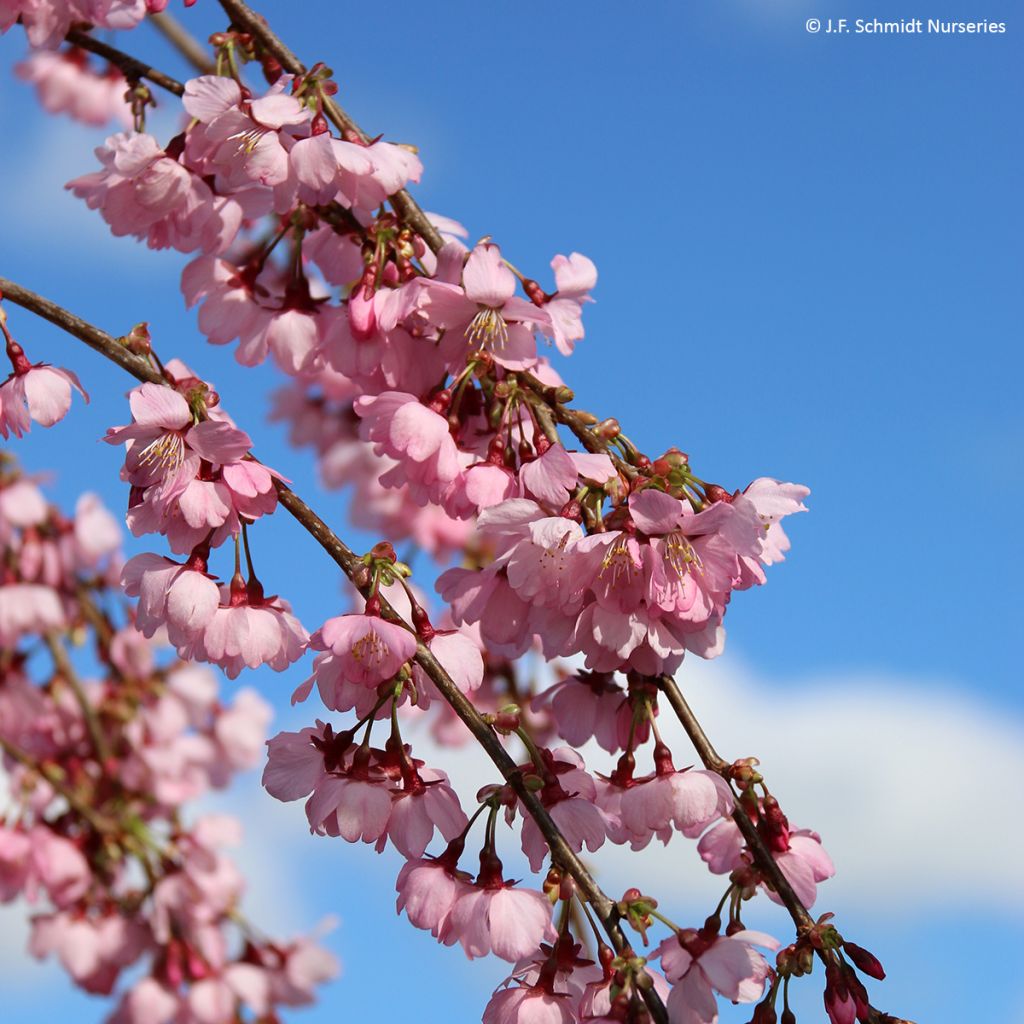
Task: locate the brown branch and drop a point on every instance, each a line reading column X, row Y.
column 572, row 419
column 138, row 366
column 67, row 672
column 132, row 67
column 244, row 17
column 603, row 907
column 183, row 41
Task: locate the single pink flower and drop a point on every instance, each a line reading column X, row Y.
column 484, row 311
column 414, row 435
column 355, row 806
column 428, row 889
column 37, row 392
column 295, row 763
column 423, row 805
column 575, row 277
column 700, row 963
column 368, row 649
column 494, row 917
column 247, row 630
column 529, row 1004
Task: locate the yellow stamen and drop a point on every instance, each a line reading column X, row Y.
column 488, row 327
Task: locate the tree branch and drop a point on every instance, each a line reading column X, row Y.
column 183, row 41
column 67, row 672
column 132, row 67
column 604, row 908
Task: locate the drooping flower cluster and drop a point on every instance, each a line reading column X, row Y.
column 419, row 373
column 101, row 772
column 194, row 481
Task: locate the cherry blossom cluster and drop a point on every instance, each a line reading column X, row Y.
column 67, row 82
column 194, row 481
column 96, row 834
column 419, row 370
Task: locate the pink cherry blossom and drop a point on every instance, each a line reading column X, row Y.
column 486, row 308
column 494, row 917
column 414, row 435
column 700, row 963
column 529, row 1004
column 575, row 277
column 367, row 649
column 425, row 803
column 428, row 890
column 144, row 191
column 35, row 392
column 182, row 597
column 248, row 630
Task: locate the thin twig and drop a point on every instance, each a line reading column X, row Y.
column 604, row 908
column 132, row 67
column 570, row 418
column 67, row 672
column 183, row 41
column 138, row 366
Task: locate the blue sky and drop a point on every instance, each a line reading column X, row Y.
column 810, row 262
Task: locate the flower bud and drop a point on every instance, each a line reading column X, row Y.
column 864, row 961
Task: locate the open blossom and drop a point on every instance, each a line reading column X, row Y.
column 570, row 796
column 242, row 138
column 575, row 277
column 35, row 392
column 414, row 435
column 700, row 963
column 182, row 597
column 429, row 889
column 690, row 799
column 145, row 191
column 484, row 309
column 193, row 480
column 510, row 923
column 798, row 853
column 368, row 650
column 426, row 802
column 246, row 630
column 584, row 706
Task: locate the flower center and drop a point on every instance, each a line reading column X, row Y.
column 488, row 327
column 168, row 451
column 618, row 564
column 370, row 648
column 679, row 554
column 248, row 140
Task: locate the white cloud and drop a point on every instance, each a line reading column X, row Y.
column 906, row 782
